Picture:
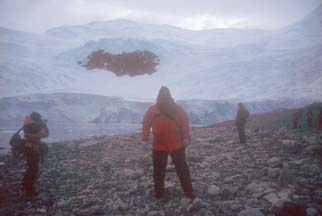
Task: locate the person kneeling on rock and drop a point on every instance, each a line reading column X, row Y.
column 170, row 126
column 34, row 128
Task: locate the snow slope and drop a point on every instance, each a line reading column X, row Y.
column 214, row 64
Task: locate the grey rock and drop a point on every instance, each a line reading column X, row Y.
column 139, row 172
column 250, row 212
column 144, row 211
column 290, row 146
column 311, row 170
column 128, row 173
column 311, row 211
column 318, row 192
column 62, row 203
column 258, row 187
column 285, row 193
column 273, row 172
column 218, row 139
column 213, row 190
column 41, row 210
column 274, row 162
column 97, row 210
column 184, row 202
column 197, row 202
column 194, row 205
column 120, row 205
column 272, row 198
column 156, row 213
column 171, row 168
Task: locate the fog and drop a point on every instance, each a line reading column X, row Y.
column 39, row 16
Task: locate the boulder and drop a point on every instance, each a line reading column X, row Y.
column 250, row 212
column 311, row 211
column 156, row 213
column 274, row 162
column 213, row 190
column 272, row 198
column 311, row 170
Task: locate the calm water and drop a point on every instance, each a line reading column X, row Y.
column 63, row 131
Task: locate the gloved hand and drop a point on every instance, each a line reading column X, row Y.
column 186, row 142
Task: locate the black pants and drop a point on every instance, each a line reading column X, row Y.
column 31, row 173
column 160, row 159
column 309, row 122
column 241, row 133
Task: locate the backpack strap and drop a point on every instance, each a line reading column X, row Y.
column 178, row 126
column 19, row 130
column 173, row 120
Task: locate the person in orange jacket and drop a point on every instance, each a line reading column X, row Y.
column 34, row 128
column 170, row 127
column 319, row 120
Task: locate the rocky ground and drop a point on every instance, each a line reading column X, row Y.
column 112, row 175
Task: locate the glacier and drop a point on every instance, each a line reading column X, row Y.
column 218, row 64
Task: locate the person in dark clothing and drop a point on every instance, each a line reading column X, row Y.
column 319, row 120
column 241, row 119
column 309, row 118
column 34, row 128
column 170, row 126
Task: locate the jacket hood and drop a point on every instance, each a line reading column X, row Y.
column 28, row 120
column 164, row 101
column 164, row 95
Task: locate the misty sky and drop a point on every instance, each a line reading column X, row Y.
column 41, row 15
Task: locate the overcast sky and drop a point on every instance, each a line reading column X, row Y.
column 41, row 15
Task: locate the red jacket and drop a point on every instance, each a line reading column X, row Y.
column 296, row 118
column 168, row 132
column 319, row 121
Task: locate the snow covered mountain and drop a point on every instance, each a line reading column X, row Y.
column 127, row 29
column 215, row 64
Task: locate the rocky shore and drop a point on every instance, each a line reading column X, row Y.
column 112, row 175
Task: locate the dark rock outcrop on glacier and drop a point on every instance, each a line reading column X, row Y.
column 132, row 63
column 112, row 175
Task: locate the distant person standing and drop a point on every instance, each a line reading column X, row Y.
column 319, row 120
column 241, row 119
column 309, row 118
column 34, row 128
column 170, row 127
column 296, row 120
